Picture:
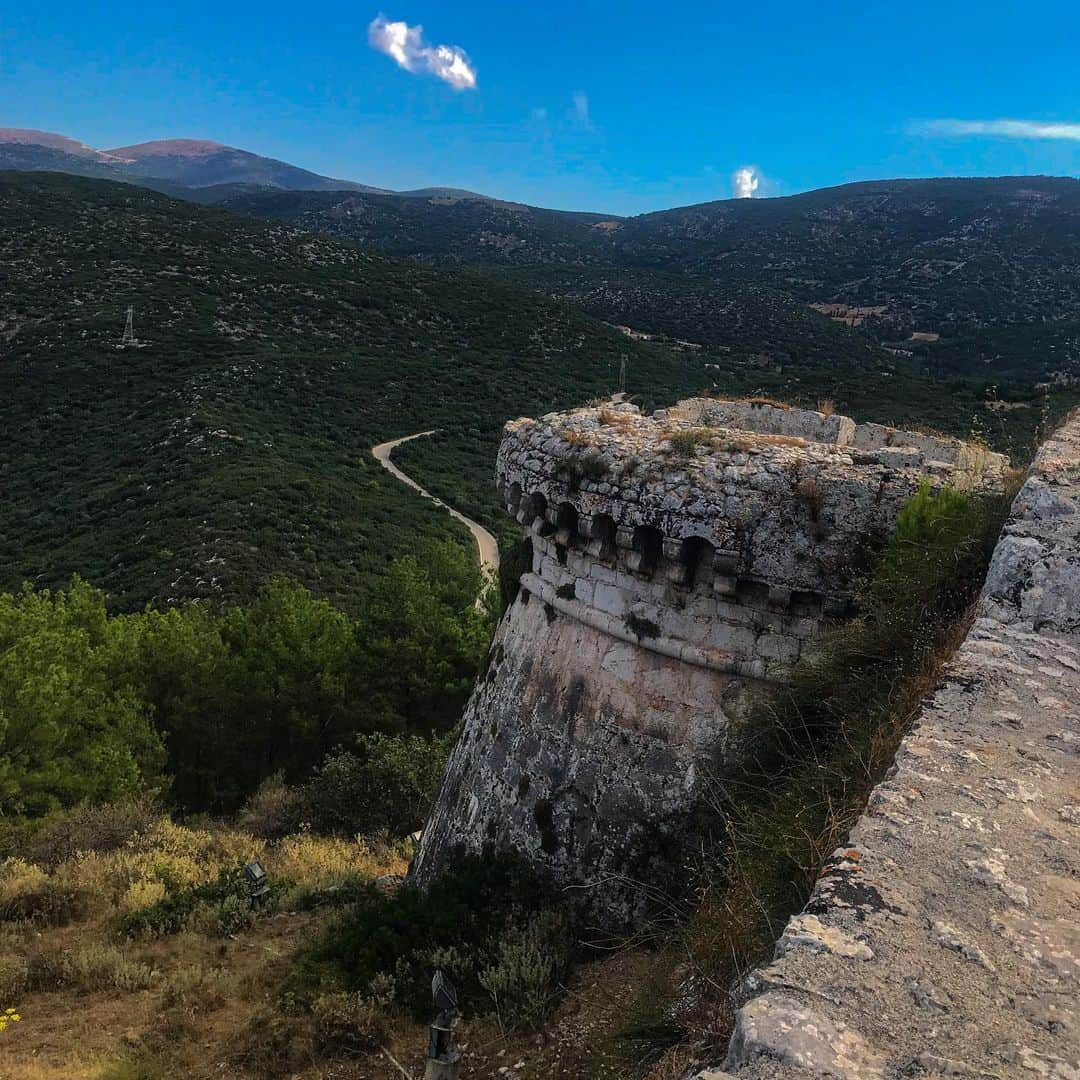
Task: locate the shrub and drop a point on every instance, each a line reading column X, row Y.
column 194, row 989
column 96, row 966
column 132, row 1067
column 458, row 923
column 14, row 978
column 530, row 960
column 45, row 968
column 28, row 892
column 324, row 869
column 142, row 894
column 275, row 810
column 809, row 493
column 89, row 827
column 386, row 785
column 275, row 1043
column 222, row 907
column 348, row 1022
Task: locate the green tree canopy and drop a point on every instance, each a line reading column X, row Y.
column 68, row 730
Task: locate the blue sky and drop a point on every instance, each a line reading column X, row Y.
column 619, row 107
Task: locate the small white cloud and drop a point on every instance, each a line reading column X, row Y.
column 581, row 109
column 1006, row 129
column 405, row 45
column 744, row 182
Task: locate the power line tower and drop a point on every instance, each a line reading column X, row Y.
column 129, row 329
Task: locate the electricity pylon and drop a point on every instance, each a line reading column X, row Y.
column 129, row 328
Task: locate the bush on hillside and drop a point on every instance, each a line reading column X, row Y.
column 386, row 785
column 88, row 827
column 274, row 810
column 491, row 923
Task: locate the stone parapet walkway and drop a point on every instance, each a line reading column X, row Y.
column 944, row 940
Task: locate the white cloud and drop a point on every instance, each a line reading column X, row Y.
column 405, row 45
column 581, row 109
column 744, row 182
column 1007, row 129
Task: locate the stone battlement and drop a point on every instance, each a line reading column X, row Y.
column 726, row 495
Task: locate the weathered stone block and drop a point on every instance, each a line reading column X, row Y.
column 609, row 599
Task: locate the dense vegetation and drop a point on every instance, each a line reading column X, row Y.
column 235, row 445
column 204, row 705
column 492, row 923
column 987, row 264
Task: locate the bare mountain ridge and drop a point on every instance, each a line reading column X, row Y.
column 201, row 169
column 169, row 163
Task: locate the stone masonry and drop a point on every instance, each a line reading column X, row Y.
column 944, row 939
column 681, row 562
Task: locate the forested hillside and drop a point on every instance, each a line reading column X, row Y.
column 233, row 444
column 986, row 267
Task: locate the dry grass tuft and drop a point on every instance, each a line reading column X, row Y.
column 615, row 418
column 577, row 437
column 685, row 441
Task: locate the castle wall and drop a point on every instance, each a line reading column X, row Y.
column 578, row 751
column 944, row 938
column 670, row 583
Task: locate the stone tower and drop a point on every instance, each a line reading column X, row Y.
column 681, row 562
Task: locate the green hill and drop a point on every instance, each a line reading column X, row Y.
column 234, row 443
column 987, row 267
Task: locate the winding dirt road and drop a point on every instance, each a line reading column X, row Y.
column 485, row 542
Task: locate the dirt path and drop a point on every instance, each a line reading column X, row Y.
column 485, row 542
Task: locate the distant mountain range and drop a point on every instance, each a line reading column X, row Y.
column 207, row 170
